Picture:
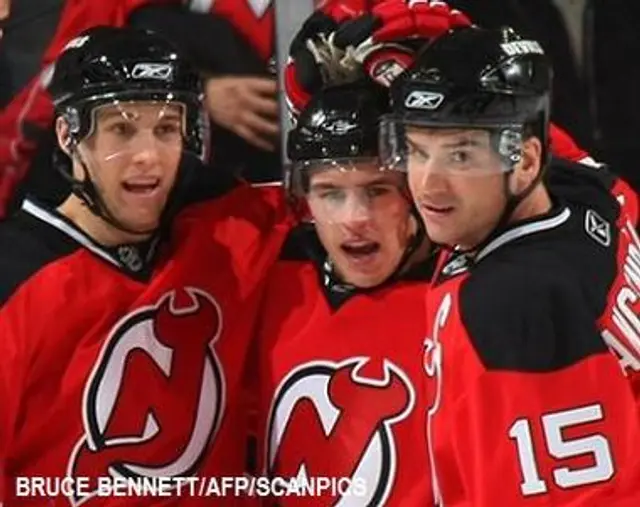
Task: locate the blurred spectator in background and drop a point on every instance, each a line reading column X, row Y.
column 28, row 32
column 232, row 42
column 612, row 70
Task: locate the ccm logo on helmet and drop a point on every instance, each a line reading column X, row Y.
column 423, row 100
column 522, row 47
column 152, row 71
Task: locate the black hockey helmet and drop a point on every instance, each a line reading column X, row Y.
column 474, row 78
column 339, row 122
column 337, row 128
column 106, row 64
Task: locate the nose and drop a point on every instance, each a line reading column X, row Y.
column 145, row 150
column 427, row 178
column 357, row 210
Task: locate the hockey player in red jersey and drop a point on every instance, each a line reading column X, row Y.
column 125, row 314
column 338, row 373
column 528, row 405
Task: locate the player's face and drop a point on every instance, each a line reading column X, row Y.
column 457, row 182
column 133, row 156
column 363, row 219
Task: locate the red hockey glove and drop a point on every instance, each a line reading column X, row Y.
column 380, row 40
column 312, row 60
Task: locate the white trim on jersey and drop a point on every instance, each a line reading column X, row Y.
column 46, row 216
column 202, row 6
column 524, row 230
column 276, row 183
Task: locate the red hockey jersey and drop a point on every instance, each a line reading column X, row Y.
column 528, row 406
column 339, row 379
column 115, row 365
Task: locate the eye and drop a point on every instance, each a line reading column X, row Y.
column 378, row 190
column 332, row 194
column 167, row 129
column 121, row 128
column 416, row 153
column 460, row 156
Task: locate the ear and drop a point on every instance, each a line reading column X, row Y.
column 528, row 169
column 63, row 136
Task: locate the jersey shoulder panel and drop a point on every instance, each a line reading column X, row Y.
column 528, row 313
column 585, row 186
column 302, row 245
column 262, row 206
column 28, row 245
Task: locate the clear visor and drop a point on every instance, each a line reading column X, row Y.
column 151, row 132
column 349, row 191
column 408, row 145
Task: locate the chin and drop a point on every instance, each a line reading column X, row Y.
column 366, row 280
column 141, row 226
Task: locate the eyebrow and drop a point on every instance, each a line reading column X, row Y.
column 465, row 143
column 382, row 179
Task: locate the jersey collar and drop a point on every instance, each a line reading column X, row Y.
column 135, row 259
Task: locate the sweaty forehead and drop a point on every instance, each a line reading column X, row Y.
column 140, row 110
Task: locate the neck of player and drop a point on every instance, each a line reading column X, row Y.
column 537, row 203
column 98, row 229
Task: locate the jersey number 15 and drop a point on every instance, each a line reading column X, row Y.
column 560, row 448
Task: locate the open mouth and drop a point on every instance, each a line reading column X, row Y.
column 361, row 249
column 141, row 187
column 438, row 210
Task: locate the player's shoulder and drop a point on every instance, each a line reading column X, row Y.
column 263, row 205
column 302, row 245
column 28, row 245
column 587, row 186
column 528, row 306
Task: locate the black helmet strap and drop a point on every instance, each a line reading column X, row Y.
column 86, row 191
column 511, row 203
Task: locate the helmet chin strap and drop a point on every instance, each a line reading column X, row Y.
column 87, row 192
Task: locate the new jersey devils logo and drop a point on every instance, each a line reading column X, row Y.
column 330, row 420
column 156, row 394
